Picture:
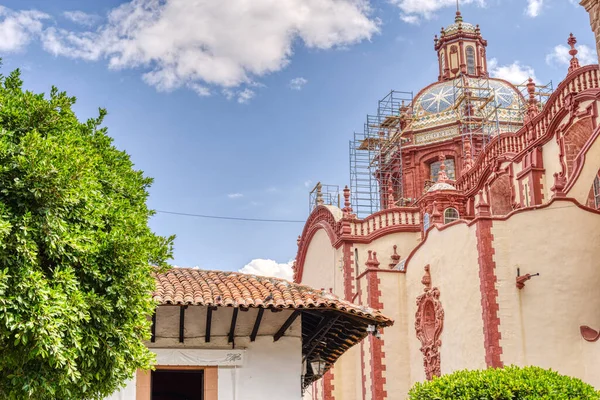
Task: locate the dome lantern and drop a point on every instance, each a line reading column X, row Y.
column 461, row 50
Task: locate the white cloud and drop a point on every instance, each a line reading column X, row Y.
column 560, row 55
column 410, row 19
column 235, row 195
column 82, row 18
column 413, row 11
column 265, row 267
column 298, row 83
column 534, row 7
column 227, row 44
column 245, row 96
column 308, row 183
column 199, row 89
column 515, row 73
column 18, row 28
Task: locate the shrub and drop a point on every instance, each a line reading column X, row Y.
column 504, row 383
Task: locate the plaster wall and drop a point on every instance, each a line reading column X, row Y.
column 384, row 246
column 395, row 338
column 539, row 324
column 321, row 265
column 453, row 259
column 346, row 386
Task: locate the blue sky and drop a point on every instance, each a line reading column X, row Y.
column 236, row 107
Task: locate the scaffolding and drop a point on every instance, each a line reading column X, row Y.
column 484, row 108
column 376, row 157
column 323, row 195
column 482, row 112
column 542, row 93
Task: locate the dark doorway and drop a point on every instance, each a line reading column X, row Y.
column 177, row 385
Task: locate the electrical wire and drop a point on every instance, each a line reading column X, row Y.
column 290, row 221
column 287, row 221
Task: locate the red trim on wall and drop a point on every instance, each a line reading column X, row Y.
column 328, row 385
column 363, row 367
column 489, row 293
column 348, row 256
column 378, row 381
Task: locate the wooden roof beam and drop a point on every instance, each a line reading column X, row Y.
column 232, row 327
column 209, row 311
column 181, row 322
column 286, row 325
column 259, row 316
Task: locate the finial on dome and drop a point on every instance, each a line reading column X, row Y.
column 573, row 52
column 458, row 17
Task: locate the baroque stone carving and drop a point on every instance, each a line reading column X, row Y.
column 429, row 323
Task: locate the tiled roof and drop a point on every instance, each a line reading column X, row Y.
column 189, row 286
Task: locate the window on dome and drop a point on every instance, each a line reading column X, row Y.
column 426, row 222
column 470, row 60
column 450, row 214
column 443, row 61
column 434, row 169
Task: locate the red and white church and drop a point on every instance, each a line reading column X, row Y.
column 485, row 248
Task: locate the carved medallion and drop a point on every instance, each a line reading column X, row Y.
column 429, row 323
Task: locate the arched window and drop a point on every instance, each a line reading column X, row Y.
column 425, row 222
column 470, row 60
column 450, row 214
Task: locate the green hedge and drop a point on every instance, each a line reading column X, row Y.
column 503, row 384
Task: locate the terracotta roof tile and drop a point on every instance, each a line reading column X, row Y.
column 189, row 286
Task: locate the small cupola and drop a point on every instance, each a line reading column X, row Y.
column 461, row 50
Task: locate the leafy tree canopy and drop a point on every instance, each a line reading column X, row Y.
column 509, row 383
column 75, row 252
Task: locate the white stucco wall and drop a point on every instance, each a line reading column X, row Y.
column 539, row 324
column 271, row 370
column 267, row 369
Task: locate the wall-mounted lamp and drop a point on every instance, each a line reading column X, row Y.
column 521, row 279
column 372, row 329
column 318, row 367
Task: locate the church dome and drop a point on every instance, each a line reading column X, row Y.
column 465, row 26
column 436, row 104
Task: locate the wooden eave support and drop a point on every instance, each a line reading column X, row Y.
column 286, row 325
column 181, row 322
column 232, row 327
column 209, row 311
column 259, row 316
column 153, row 328
column 326, row 323
column 321, row 331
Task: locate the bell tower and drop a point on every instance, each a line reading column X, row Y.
column 461, row 50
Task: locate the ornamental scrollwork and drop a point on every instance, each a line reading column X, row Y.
column 429, row 323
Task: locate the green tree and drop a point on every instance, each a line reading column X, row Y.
column 75, row 252
column 509, row 383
